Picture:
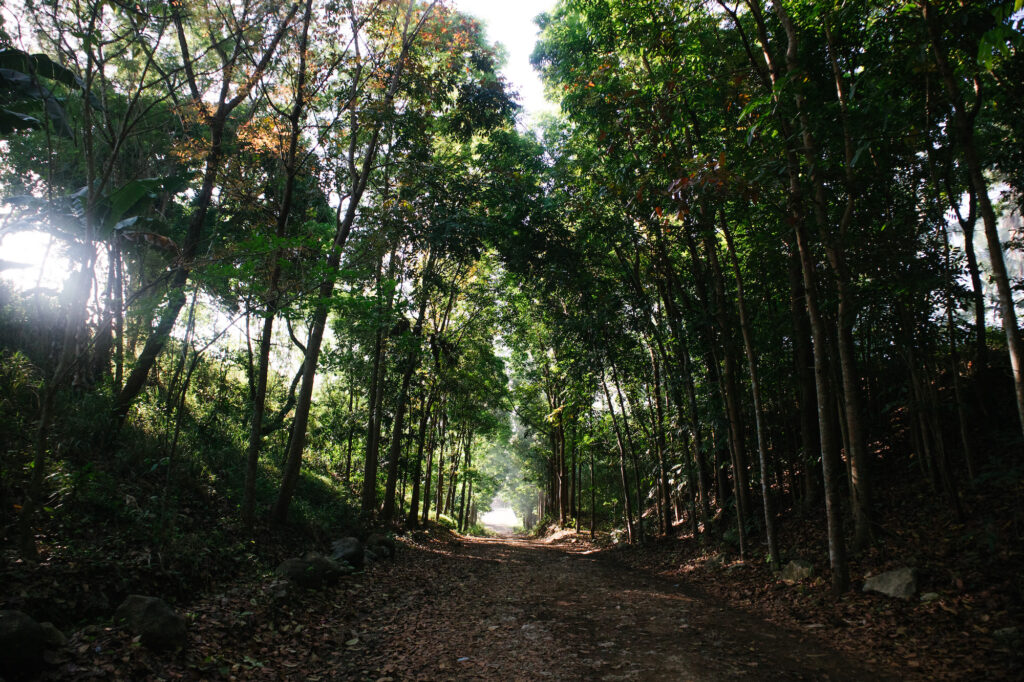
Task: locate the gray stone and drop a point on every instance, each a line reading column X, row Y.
column 382, row 545
column 930, row 596
column 900, row 583
column 797, row 570
column 53, row 637
column 293, row 570
column 311, row 571
column 22, row 641
column 279, row 591
column 349, row 550
column 157, row 624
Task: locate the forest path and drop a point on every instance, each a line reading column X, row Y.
column 516, row 609
column 456, row 608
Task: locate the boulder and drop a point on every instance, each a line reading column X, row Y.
column 22, row 641
column 53, row 637
column 900, row 583
column 293, row 570
column 349, row 550
column 157, row 624
column 313, row 570
column 382, row 545
column 797, row 570
column 278, row 591
column 328, row 566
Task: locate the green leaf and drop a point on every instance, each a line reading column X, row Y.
column 127, row 222
column 864, row 147
column 752, row 106
column 125, row 198
column 11, row 121
column 41, row 65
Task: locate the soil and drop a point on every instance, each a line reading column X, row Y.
column 451, row 607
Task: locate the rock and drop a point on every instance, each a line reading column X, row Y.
column 312, row 570
column 382, row 545
column 53, row 637
column 278, row 590
column 716, row 561
column 370, row 556
column 293, row 570
column 22, row 641
column 330, row 569
column 349, row 550
column 930, row 596
column 797, row 570
column 900, row 583
column 157, row 624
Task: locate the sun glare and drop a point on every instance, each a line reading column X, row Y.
column 30, row 260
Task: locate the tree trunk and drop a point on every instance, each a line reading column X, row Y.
column 426, row 404
column 732, row 405
column 963, row 123
column 967, row 226
column 411, row 363
column 465, row 477
column 633, row 457
column 593, row 497
column 439, row 502
column 350, row 426
column 368, row 498
column 803, row 359
column 189, row 249
column 437, row 430
column 830, row 460
column 755, row 389
column 343, row 227
column 954, row 362
column 628, row 506
column 281, row 229
column 659, row 426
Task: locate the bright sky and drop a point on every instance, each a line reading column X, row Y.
column 511, row 24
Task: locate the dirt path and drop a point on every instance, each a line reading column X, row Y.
column 520, row 610
column 468, row 609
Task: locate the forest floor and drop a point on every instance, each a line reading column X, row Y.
column 452, row 607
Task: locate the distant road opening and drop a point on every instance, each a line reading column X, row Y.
column 502, row 520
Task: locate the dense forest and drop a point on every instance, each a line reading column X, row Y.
column 279, row 273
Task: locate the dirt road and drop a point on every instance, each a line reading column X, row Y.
column 520, row 610
column 467, row 609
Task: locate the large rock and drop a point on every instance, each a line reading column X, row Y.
column 312, row 570
column 52, row 637
column 381, row 545
column 349, row 550
column 22, row 641
column 797, row 570
column 900, row 583
column 157, row 624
